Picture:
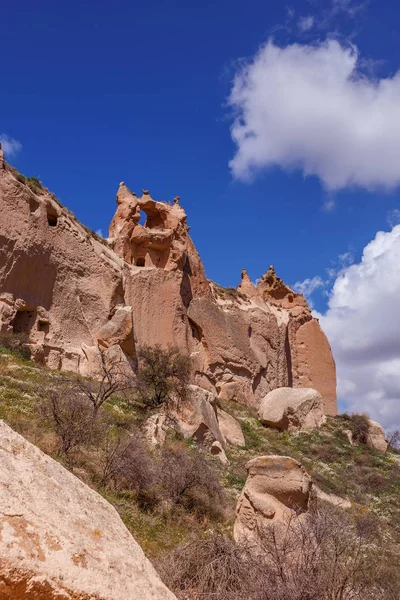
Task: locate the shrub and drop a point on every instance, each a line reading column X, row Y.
column 212, row 568
column 359, row 427
column 113, row 376
column 34, row 184
column 393, row 438
column 189, row 480
column 328, row 554
column 21, row 178
column 16, row 343
column 71, row 417
column 127, row 464
column 163, row 376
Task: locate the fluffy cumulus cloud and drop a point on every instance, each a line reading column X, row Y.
column 9, row 145
column 309, row 107
column 363, row 324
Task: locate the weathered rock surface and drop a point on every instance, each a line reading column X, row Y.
column 218, row 451
column 71, row 292
column 197, row 418
column 277, row 489
column 376, row 437
column 60, row 539
column 230, row 429
column 290, row 409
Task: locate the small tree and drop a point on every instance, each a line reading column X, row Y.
column 163, row 376
column 112, row 375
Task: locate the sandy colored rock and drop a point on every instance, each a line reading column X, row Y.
column 155, row 429
column 290, row 409
column 331, row 498
column 376, row 437
column 277, row 488
column 60, row 539
column 197, row 417
column 71, row 291
column 118, row 331
column 230, row 429
column 218, row 451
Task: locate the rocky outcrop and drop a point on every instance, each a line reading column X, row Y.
column 59, row 538
column 230, row 429
column 277, row 489
column 290, row 409
column 74, row 293
column 376, row 437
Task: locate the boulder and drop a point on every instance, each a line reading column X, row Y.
column 277, row 488
column 230, row 429
column 376, row 436
column 61, row 540
column 118, row 330
column 218, row 451
column 197, row 418
column 290, row 409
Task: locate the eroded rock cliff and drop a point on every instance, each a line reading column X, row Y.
column 76, row 294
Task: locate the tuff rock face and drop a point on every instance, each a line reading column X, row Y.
column 77, row 295
column 61, row 540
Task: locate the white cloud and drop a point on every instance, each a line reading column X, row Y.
column 306, row 23
column 99, row 232
column 308, row 287
column 349, row 7
column 10, row 146
column 393, row 217
column 362, row 324
column 308, row 107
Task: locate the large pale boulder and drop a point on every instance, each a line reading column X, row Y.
column 277, row 489
column 61, row 540
column 376, row 437
column 292, row 409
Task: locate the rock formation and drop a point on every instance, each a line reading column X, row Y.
column 59, row 538
column 76, row 294
column 199, row 418
column 290, row 409
column 376, row 437
column 277, row 489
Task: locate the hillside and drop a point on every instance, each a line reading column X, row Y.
column 369, row 479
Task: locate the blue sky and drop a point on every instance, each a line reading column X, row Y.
column 99, row 92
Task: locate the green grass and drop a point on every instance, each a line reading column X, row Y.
column 368, row 478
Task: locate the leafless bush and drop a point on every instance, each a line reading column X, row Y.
column 328, row 555
column 393, row 438
column 189, row 480
column 163, row 376
column 127, row 464
column 71, row 417
column 215, row 567
column 358, row 425
column 112, row 376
